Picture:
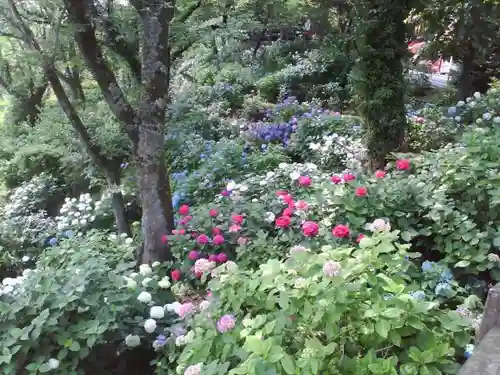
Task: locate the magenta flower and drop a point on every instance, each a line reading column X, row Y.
column 226, row 323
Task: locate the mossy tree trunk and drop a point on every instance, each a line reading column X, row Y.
column 378, row 77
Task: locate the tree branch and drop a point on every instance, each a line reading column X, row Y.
column 188, row 12
column 84, row 32
column 117, row 42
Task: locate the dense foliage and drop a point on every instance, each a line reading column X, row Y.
column 262, row 188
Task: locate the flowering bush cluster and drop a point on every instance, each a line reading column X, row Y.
column 325, row 311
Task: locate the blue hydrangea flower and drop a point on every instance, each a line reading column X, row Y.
column 446, row 275
column 53, row 241
column 469, row 349
column 419, row 295
column 428, row 266
column 69, row 233
column 443, row 289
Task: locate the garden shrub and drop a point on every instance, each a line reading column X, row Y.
column 340, row 310
column 80, row 295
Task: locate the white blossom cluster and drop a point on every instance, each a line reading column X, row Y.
column 350, row 151
column 25, row 199
column 77, row 213
column 11, row 285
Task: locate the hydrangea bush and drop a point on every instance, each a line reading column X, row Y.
column 340, row 310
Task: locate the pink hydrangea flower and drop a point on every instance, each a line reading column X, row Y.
column 185, row 309
column 193, row 255
column 234, row 228
column 305, row 181
column 202, row 239
column 226, row 323
column 218, row 240
column 203, row 265
column 331, row 268
column 184, row 210
column 221, row 258
column 310, row 229
column 302, row 205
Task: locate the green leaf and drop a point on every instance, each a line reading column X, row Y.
column 75, row 346
column 275, row 354
column 44, row 367
column 496, row 242
column 253, row 344
column 382, row 327
column 288, row 365
column 392, row 313
column 462, row 263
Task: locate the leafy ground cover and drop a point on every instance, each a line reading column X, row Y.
column 288, row 256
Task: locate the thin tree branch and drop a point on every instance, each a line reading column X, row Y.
column 85, row 37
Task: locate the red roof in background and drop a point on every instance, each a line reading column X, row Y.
column 415, row 46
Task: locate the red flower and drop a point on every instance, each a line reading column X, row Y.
column 225, row 193
column 302, row 205
column 176, row 275
column 193, row 255
column 287, row 212
column 305, row 181
column 186, row 220
column 361, row 191
column 218, row 240
column 360, row 237
column 287, row 198
column 283, row 221
column 213, row 212
column 202, row 239
column 216, row 231
column 420, row 120
column 349, row 177
column 380, row 174
column 336, row 179
column 198, row 275
column 184, row 210
column 310, row 229
column 234, row 228
column 221, row 258
column 403, row 164
column 237, row 219
column 164, row 238
column 341, row 231
column 281, row 193
column 212, row 257
column 179, row 231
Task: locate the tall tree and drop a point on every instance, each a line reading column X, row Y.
column 144, row 125
column 379, row 31
column 47, row 60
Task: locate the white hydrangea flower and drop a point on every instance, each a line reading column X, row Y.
column 150, row 325
column 157, row 312
column 269, row 217
column 145, row 270
column 144, row 297
column 132, row 341
column 164, row 283
column 131, row 283
column 53, row 363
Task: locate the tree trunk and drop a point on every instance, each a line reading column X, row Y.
column 145, row 127
column 29, row 109
column 117, row 201
column 378, row 75
column 465, row 79
column 154, row 184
